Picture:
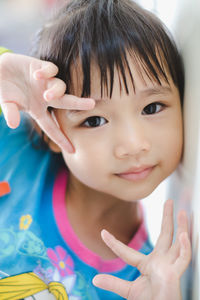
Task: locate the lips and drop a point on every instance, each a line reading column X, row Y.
column 134, row 174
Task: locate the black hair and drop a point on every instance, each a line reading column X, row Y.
column 105, row 31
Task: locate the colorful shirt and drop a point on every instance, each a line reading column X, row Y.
column 38, row 247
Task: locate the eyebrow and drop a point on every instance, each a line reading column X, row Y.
column 157, row 90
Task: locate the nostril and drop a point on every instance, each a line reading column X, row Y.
column 132, row 148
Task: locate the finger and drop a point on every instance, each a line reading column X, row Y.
column 183, row 226
column 72, row 102
column 184, row 258
column 11, row 114
column 129, row 255
column 55, row 89
column 47, row 70
column 113, row 284
column 49, row 126
column 182, row 221
column 167, row 228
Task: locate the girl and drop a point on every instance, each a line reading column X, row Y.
column 122, row 57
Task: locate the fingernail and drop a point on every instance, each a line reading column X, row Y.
column 50, row 95
column 105, row 233
column 90, row 102
column 95, row 281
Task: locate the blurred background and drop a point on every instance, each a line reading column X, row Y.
column 20, row 19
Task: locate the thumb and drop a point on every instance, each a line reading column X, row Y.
column 113, row 284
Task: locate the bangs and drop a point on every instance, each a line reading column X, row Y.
column 107, row 32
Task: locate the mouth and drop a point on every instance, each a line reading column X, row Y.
column 136, row 174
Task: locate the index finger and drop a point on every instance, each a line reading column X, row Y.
column 72, row 102
column 167, row 228
column 127, row 254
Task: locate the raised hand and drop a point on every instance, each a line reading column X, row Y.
column 28, row 84
column 160, row 271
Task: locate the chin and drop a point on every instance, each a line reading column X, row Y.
column 139, row 194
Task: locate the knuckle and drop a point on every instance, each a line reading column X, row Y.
column 62, row 83
column 56, row 84
column 52, row 66
column 59, row 84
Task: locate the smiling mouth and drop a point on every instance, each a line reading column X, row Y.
column 136, row 175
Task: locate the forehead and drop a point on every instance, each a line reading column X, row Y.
column 138, row 80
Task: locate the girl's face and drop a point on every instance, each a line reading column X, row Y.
column 128, row 144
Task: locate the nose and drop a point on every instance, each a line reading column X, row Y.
column 131, row 140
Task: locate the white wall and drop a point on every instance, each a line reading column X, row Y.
column 186, row 27
column 183, row 19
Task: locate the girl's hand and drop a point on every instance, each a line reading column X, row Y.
column 160, row 271
column 28, row 84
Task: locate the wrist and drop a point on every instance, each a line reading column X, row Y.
column 4, row 50
column 172, row 292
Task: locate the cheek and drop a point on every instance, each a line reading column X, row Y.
column 178, row 136
column 87, row 164
column 173, row 144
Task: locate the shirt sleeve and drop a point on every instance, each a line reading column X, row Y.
column 4, row 50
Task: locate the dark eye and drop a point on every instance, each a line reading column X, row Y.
column 153, row 108
column 94, row 122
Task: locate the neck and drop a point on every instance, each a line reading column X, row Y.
column 96, row 211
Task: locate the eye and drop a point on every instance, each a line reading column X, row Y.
column 153, row 108
column 94, row 122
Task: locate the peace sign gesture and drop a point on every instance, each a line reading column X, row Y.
column 160, row 271
column 29, row 84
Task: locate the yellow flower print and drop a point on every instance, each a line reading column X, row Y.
column 25, row 222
